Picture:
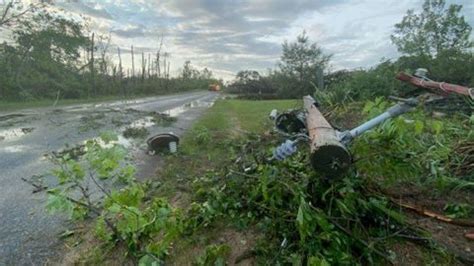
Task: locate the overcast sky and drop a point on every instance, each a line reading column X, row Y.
column 228, row 36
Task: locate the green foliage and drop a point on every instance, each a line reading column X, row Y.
column 296, row 212
column 201, row 135
column 408, row 147
column 458, row 210
column 301, row 69
column 136, row 132
column 379, row 81
column 435, row 29
column 250, row 84
column 362, row 85
column 302, row 65
column 43, row 61
column 121, row 215
column 214, row 255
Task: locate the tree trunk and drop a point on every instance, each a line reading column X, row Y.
column 133, row 64
column 149, row 65
column 143, row 66
column 328, row 155
column 92, row 66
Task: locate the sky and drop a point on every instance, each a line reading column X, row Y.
column 231, row 35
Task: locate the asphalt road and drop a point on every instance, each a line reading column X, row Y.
column 28, row 234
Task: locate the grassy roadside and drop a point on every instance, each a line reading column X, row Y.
column 208, row 144
column 219, row 200
column 205, row 150
column 209, row 148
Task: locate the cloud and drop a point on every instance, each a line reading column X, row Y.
column 228, row 36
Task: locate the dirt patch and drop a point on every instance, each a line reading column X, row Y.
column 241, row 244
column 449, row 236
column 407, row 253
column 83, row 248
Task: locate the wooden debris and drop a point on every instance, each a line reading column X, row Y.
column 437, row 216
column 470, row 235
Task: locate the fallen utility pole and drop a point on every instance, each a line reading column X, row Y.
column 442, row 88
column 328, row 154
column 328, row 147
column 404, row 106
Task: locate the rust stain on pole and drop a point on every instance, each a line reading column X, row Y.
column 328, row 154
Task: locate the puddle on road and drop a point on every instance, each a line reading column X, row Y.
column 15, row 133
column 121, row 140
column 174, row 112
column 14, row 148
column 10, row 116
column 153, row 119
column 77, row 151
column 147, row 121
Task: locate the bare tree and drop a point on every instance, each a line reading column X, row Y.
column 158, row 54
column 13, row 11
column 120, row 70
column 149, row 65
column 91, row 64
column 104, row 43
column 143, row 65
column 133, row 63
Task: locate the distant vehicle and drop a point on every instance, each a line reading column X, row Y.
column 214, row 87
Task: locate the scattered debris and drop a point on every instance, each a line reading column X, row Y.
column 37, row 182
column 437, row 216
column 422, row 81
column 162, row 119
column 136, row 132
column 91, row 122
column 329, row 153
column 74, row 152
column 464, row 167
column 15, row 133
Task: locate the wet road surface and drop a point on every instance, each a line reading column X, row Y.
column 29, row 235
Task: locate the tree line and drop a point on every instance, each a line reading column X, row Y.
column 50, row 55
column 437, row 38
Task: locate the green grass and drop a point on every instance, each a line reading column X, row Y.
column 248, row 115
column 253, row 115
column 229, row 118
column 211, row 144
column 206, row 145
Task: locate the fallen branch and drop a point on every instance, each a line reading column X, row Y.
column 469, row 235
column 437, row 216
column 38, row 187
